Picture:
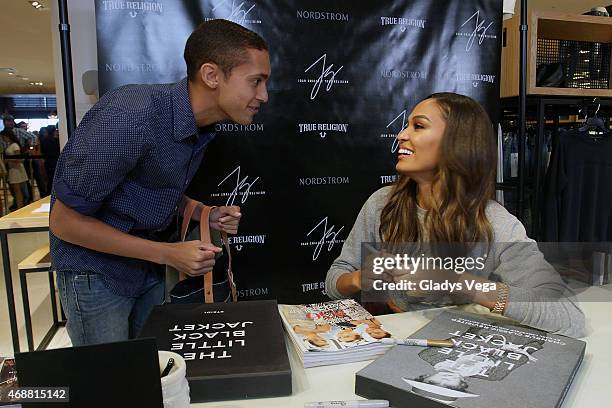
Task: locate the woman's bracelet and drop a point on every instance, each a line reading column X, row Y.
column 502, row 298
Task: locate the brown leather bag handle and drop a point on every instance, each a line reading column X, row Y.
column 188, row 211
column 230, row 273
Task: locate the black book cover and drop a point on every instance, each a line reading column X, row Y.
column 232, row 350
column 492, row 364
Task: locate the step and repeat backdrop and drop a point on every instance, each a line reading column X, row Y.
column 345, row 76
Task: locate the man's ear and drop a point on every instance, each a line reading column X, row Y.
column 210, row 75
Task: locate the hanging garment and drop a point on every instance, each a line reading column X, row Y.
column 578, row 190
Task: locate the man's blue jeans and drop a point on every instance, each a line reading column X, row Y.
column 97, row 315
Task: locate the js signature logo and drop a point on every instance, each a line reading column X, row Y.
column 480, row 30
column 393, row 125
column 327, row 75
column 327, row 234
column 242, row 186
column 238, row 11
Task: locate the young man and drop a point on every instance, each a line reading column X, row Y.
column 121, row 179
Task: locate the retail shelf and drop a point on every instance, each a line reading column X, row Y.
column 551, row 26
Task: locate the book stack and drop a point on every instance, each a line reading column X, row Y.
column 335, row 332
column 232, row 350
column 491, row 364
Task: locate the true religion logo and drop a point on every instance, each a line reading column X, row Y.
column 133, row 8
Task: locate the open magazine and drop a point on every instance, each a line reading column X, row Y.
column 335, row 332
column 8, row 382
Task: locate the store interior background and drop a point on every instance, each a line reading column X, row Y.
column 34, row 94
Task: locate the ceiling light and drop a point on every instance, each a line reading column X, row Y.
column 37, row 5
column 10, row 73
column 25, row 78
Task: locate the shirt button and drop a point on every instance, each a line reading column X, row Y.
column 176, row 208
column 186, row 182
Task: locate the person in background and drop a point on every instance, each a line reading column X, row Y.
column 17, row 176
column 50, row 149
column 444, row 195
column 38, row 166
column 26, row 140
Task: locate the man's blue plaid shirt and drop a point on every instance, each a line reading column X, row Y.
column 128, row 164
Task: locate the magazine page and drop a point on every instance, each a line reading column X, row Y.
column 332, row 326
column 8, row 381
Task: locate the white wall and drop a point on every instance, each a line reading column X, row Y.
column 82, row 20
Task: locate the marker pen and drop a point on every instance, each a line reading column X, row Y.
column 168, row 368
column 419, row 342
column 348, row 404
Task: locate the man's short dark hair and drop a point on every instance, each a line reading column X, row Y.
column 221, row 42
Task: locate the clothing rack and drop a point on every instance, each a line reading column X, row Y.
column 541, row 109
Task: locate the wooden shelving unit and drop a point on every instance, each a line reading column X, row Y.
column 555, row 26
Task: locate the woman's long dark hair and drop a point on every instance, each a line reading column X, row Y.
column 12, row 137
column 466, row 175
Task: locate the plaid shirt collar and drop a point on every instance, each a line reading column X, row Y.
column 184, row 125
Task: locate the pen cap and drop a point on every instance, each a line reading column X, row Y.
column 440, row 343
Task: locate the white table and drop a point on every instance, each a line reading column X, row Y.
column 24, row 220
column 591, row 388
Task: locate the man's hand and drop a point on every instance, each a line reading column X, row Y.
column 225, row 219
column 193, row 258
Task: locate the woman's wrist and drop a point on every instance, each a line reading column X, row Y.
column 477, row 294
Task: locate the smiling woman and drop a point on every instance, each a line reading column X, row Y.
column 443, row 195
column 449, row 169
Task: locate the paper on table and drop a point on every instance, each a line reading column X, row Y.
column 44, row 208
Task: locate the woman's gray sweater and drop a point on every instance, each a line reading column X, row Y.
column 538, row 297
